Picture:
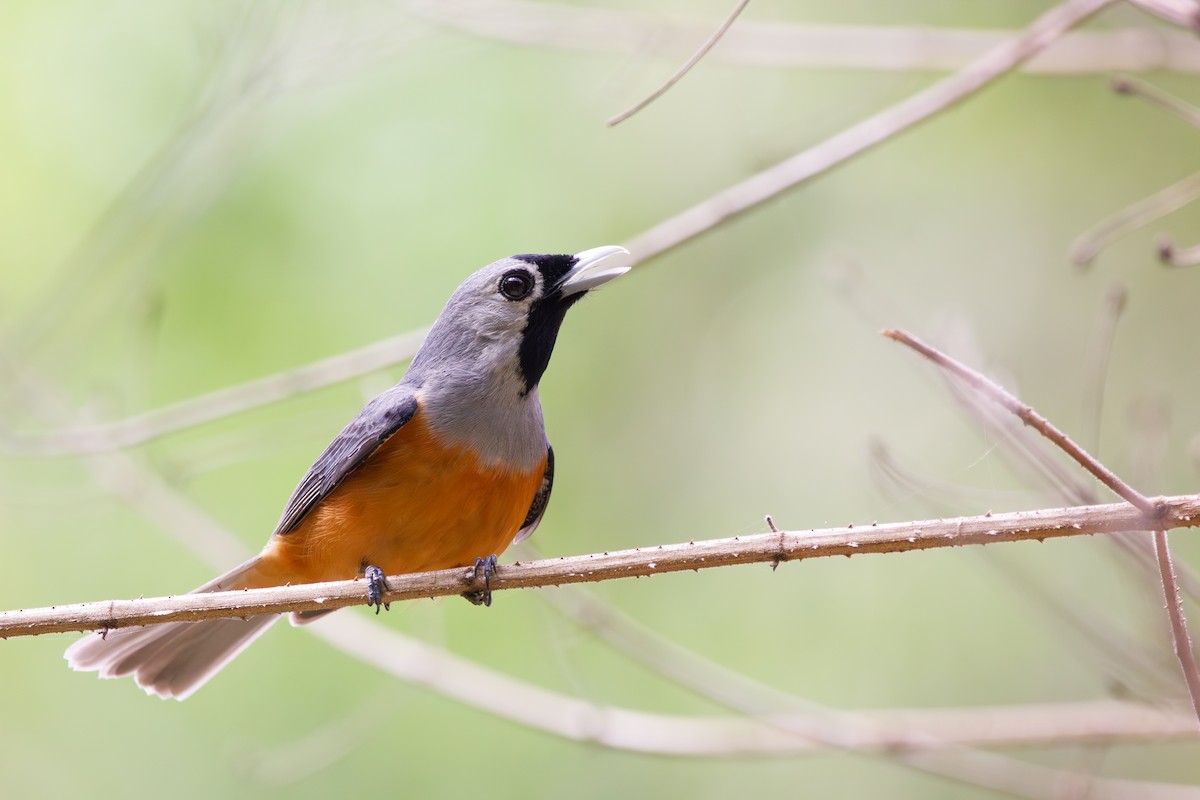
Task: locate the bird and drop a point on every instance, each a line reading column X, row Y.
column 447, row 468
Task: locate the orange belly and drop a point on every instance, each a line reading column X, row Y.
column 415, row 505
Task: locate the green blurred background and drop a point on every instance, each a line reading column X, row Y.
column 196, row 194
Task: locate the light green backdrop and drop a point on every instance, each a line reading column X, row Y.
column 353, row 163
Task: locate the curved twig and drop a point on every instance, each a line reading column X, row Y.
column 679, row 73
column 1032, row 418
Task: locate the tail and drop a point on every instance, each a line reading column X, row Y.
column 175, row 659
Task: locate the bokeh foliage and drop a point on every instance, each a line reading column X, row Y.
column 327, row 173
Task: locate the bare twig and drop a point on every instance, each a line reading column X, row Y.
column 1170, row 512
column 91, row 439
column 1152, row 94
column 1174, row 197
column 1030, row 456
column 864, row 135
column 1179, row 630
column 1028, row 452
column 1085, row 248
column 691, row 62
column 598, row 28
column 1036, row 421
column 1100, row 354
column 1151, row 508
column 1177, row 257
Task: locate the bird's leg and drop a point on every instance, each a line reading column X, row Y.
column 488, row 566
column 376, row 582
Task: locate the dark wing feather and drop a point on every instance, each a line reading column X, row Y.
column 378, row 420
column 540, row 500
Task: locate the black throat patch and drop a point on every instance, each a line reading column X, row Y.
column 545, row 317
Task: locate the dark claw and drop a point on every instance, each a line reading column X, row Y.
column 375, row 585
column 483, row 596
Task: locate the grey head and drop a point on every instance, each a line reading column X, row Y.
column 476, row 375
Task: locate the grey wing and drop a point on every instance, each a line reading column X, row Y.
column 378, row 420
column 540, row 500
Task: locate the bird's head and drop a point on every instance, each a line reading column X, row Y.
column 504, row 319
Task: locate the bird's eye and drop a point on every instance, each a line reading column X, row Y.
column 516, row 285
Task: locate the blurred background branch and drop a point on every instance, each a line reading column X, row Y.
column 776, row 44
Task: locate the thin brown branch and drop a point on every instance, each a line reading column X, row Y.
column 1151, row 508
column 708, row 44
column 105, row 437
column 1169, row 512
column 1036, row 421
column 602, row 29
column 1027, row 452
column 1179, row 629
column 861, row 137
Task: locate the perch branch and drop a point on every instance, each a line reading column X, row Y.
column 483, row 689
column 1170, row 512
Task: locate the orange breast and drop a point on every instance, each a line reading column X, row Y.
column 415, row 505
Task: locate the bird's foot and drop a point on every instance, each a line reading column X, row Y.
column 488, row 567
column 376, row 583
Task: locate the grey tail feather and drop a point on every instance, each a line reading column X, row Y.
column 175, row 659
